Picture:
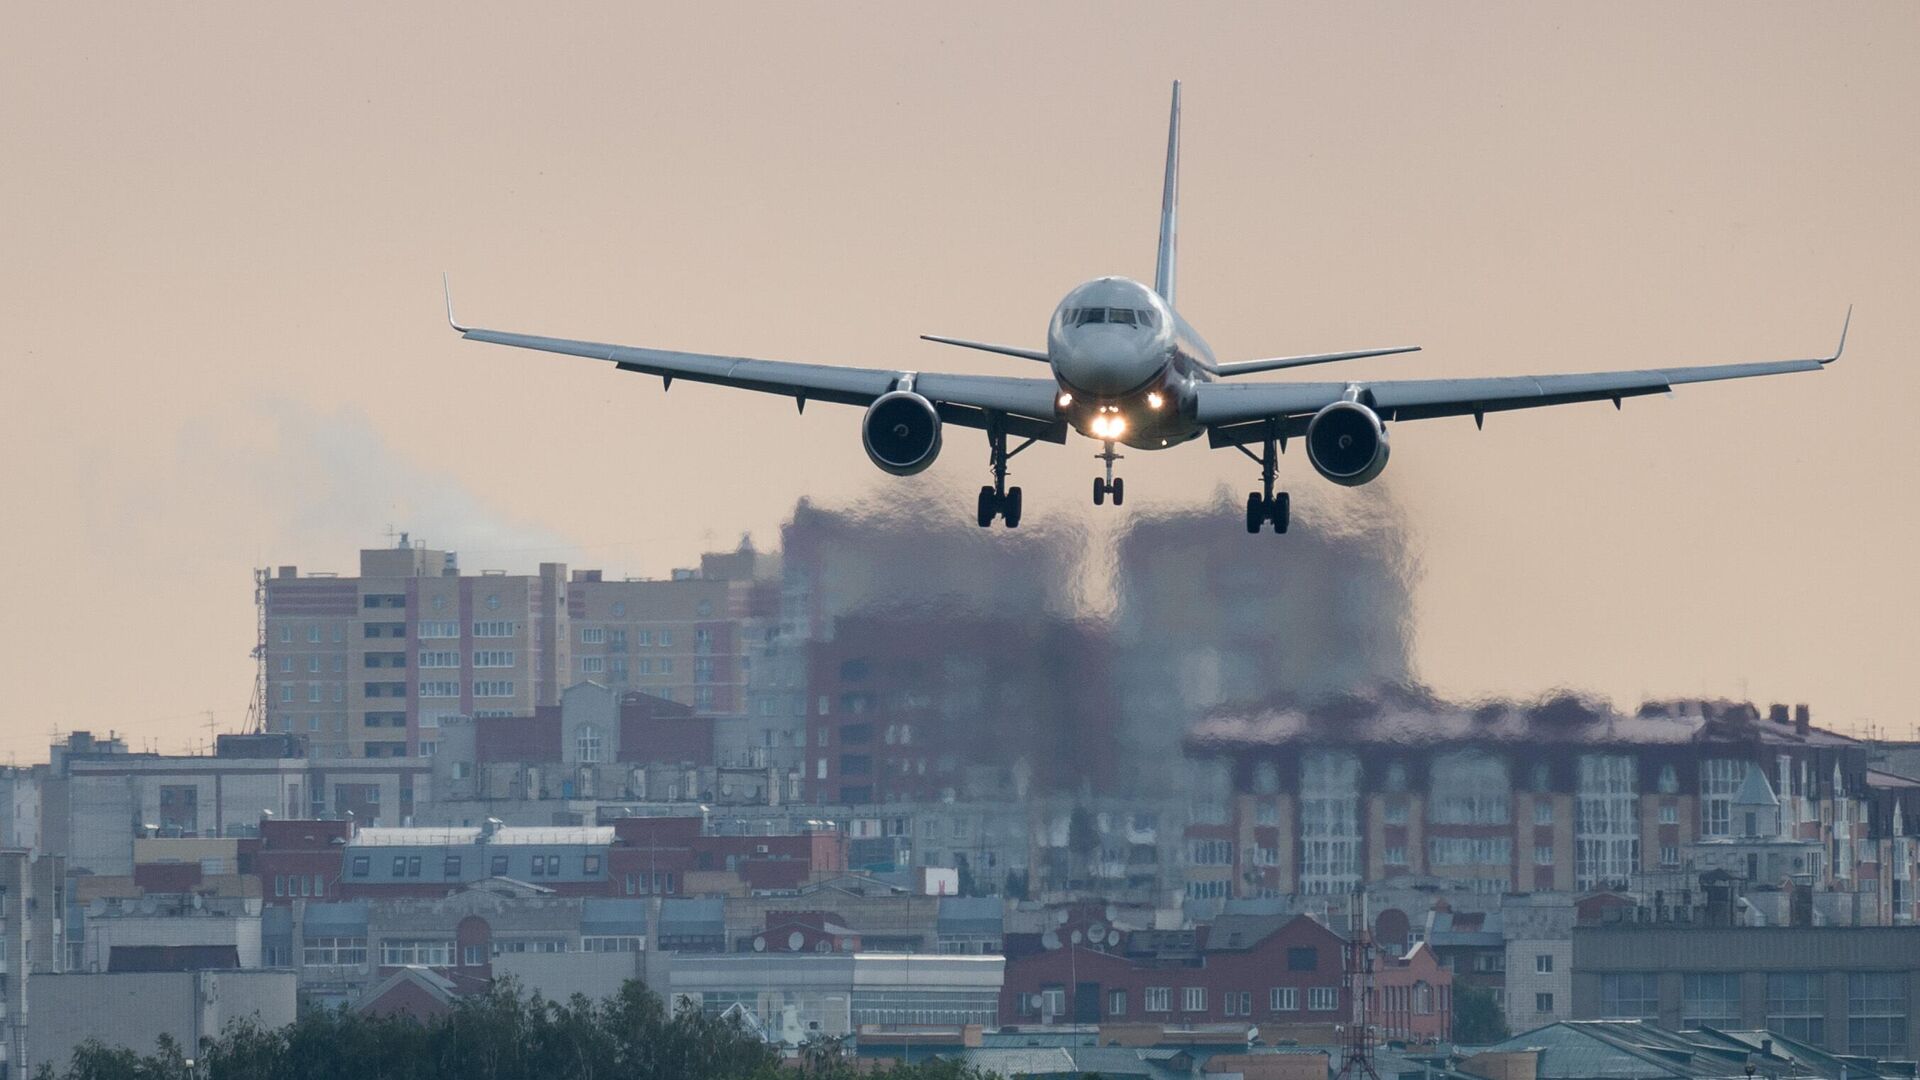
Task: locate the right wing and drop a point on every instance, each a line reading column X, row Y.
column 1238, row 413
column 1023, row 407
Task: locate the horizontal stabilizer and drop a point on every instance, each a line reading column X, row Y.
column 1004, row 350
column 1275, row 363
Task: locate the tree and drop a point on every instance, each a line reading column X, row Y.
column 1476, row 1016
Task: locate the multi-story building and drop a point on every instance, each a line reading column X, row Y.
column 100, row 805
column 33, row 924
column 1561, row 797
column 912, row 708
column 1851, row 990
column 1539, row 959
column 1270, row 971
column 370, row 666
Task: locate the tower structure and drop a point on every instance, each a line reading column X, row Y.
column 1357, row 981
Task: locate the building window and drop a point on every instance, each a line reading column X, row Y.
column 1469, row 787
column 1542, row 812
column 1303, row 959
column 1283, row 999
column 1543, row 854
column 1796, row 1005
column 498, row 866
column 360, row 866
column 1323, row 998
column 473, row 956
column 494, row 628
column 1719, row 780
column 587, row 745
column 590, row 865
column 1606, row 821
column 1193, row 999
column 396, row 952
column 1543, row 964
column 1629, row 995
column 1158, row 998
column 1670, row 855
column 1329, row 822
column 1543, row 1003
column 593, row 635
column 1711, row 999
column 1116, row 1003
column 492, row 688
column 451, row 867
column 1877, row 1014
column 334, row 951
column 493, row 658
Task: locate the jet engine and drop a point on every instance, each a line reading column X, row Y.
column 1347, row 443
column 901, row 432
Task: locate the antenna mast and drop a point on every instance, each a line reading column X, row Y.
column 257, row 707
column 1357, row 981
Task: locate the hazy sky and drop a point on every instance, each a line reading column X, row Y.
column 222, row 229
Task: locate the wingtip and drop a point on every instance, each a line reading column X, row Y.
column 446, row 291
column 1842, row 347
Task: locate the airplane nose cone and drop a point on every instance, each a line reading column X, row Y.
column 1102, row 361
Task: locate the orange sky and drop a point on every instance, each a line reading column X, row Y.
column 222, row 228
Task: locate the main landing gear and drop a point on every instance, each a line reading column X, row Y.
column 997, row 500
column 1117, row 488
column 1264, row 506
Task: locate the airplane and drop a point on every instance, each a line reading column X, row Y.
column 1127, row 370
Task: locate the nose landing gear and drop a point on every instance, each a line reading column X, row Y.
column 1111, row 485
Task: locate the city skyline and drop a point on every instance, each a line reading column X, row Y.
column 229, row 353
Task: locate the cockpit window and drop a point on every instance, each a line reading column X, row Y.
column 1121, row 316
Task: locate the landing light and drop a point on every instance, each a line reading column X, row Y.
column 1109, row 425
column 1154, row 400
column 1066, row 400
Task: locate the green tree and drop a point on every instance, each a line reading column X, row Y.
column 1476, row 1016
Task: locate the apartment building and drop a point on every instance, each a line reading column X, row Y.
column 371, row 665
column 1554, row 798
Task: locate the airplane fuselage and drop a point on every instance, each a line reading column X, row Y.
column 1127, row 364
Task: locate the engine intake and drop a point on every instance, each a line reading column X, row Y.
column 901, row 432
column 1347, row 443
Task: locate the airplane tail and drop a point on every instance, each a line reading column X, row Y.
column 1163, row 267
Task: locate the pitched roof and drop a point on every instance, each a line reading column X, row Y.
column 1755, row 791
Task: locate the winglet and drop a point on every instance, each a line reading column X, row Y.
column 1842, row 347
column 447, row 291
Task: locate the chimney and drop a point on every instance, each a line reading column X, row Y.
column 1777, row 714
column 1802, row 719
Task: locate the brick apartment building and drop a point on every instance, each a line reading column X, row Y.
column 1556, row 798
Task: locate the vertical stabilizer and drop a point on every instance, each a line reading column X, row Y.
column 1169, row 205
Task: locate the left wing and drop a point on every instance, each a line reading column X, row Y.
column 1023, row 407
column 1237, row 413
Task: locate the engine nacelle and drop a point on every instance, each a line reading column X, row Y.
column 1347, row 443
column 901, row 432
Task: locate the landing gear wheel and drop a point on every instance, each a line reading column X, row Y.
column 988, row 506
column 1281, row 513
column 1010, row 508
column 1100, row 492
column 1119, row 489
column 1256, row 512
